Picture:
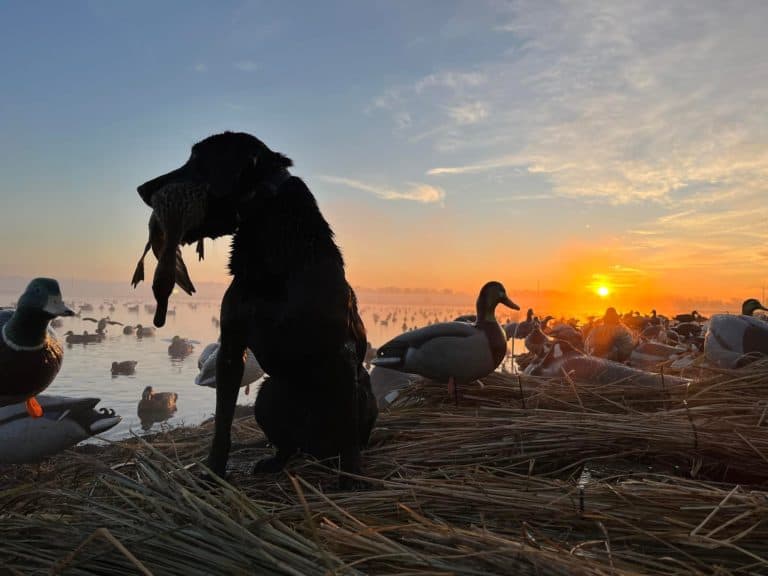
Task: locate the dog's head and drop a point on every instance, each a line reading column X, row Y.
column 233, row 168
column 203, row 198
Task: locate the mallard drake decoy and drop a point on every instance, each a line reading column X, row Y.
column 84, row 338
column 101, row 323
column 125, row 368
column 30, row 355
column 66, row 421
column 144, row 331
column 749, row 307
column 252, row 371
column 456, row 352
column 180, row 347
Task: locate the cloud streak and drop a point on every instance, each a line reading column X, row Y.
column 415, row 192
column 618, row 102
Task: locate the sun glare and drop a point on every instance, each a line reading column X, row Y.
column 603, row 291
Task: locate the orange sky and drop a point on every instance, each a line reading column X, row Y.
column 551, row 146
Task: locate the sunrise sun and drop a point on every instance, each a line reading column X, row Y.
column 603, row 291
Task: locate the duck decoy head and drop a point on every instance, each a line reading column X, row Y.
column 749, row 307
column 44, row 295
column 147, row 394
column 611, row 316
column 494, row 293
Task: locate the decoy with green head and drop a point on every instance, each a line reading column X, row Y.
column 453, row 352
column 749, row 307
column 30, row 355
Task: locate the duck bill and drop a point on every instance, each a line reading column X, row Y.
column 508, row 303
column 58, row 308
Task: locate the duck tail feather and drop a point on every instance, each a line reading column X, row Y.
column 182, row 275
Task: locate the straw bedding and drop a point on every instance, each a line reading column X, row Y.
column 526, row 476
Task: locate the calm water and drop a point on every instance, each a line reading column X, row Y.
column 86, row 369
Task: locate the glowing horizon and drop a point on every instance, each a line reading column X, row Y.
column 555, row 147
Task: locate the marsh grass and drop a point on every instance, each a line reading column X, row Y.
column 525, row 476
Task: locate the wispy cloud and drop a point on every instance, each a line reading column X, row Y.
column 469, row 113
column 246, row 65
column 617, row 102
column 417, row 192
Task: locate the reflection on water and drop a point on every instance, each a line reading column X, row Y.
column 87, row 368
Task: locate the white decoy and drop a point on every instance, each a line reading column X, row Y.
column 734, row 340
column 207, row 365
column 453, row 352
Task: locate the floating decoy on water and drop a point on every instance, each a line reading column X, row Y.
column 128, row 330
column 84, row 338
column 30, row 355
column 471, row 318
column 749, row 307
column 126, row 368
column 180, row 347
column 155, row 406
column 456, row 352
column 101, row 323
column 66, row 421
column 144, row 331
column 151, row 400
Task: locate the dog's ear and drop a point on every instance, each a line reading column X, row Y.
column 259, row 172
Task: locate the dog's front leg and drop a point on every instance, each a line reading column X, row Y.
column 230, row 362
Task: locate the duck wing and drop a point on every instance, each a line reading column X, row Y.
column 417, row 338
column 423, row 351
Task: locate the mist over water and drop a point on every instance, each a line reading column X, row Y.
column 86, row 370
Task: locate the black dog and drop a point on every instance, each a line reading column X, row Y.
column 289, row 302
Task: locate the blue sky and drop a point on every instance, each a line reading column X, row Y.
column 447, row 142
